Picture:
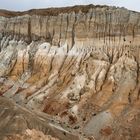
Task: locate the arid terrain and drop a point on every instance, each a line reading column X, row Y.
column 70, row 74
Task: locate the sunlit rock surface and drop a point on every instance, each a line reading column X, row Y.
column 78, row 65
column 30, row 135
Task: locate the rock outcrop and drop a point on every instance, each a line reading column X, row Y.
column 30, row 135
column 80, row 65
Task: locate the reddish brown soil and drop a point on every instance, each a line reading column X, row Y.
column 50, row 11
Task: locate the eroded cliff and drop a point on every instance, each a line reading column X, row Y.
column 80, row 65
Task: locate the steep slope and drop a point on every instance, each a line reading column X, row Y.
column 78, row 64
column 19, row 123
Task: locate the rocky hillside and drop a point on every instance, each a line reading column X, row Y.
column 77, row 65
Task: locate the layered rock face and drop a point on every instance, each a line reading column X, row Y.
column 79, row 65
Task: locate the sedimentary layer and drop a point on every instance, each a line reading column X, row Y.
column 79, row 65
